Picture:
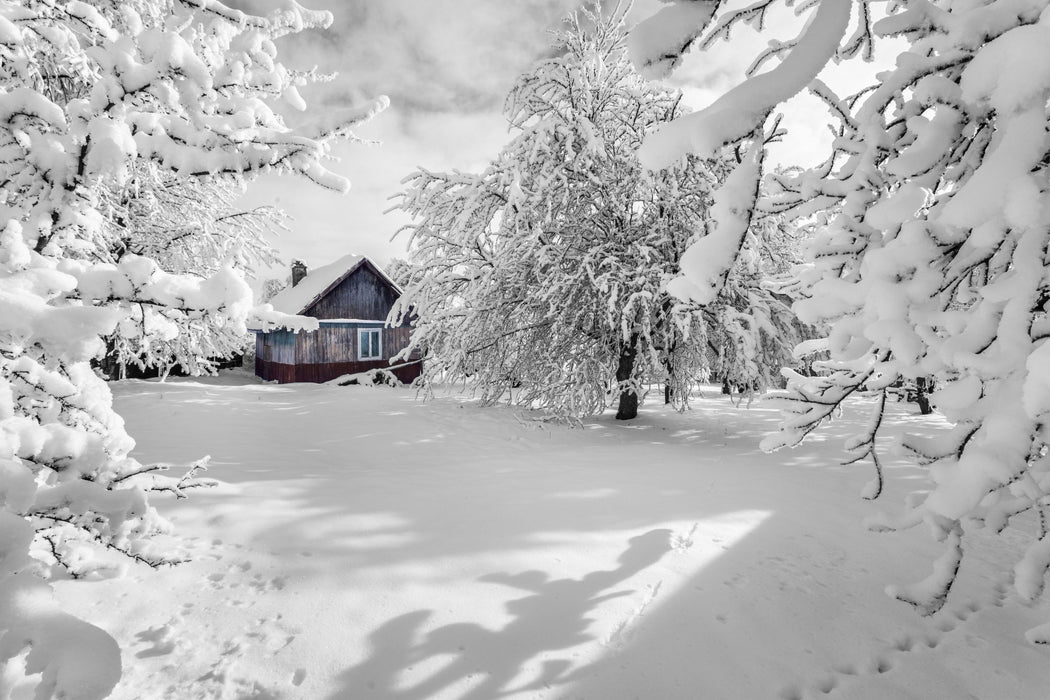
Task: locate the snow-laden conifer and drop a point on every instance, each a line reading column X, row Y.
column 105, row 106
column 543, row 278
column 933, row 257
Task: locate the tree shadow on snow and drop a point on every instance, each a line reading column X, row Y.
column 551, row 618
column 364, row 489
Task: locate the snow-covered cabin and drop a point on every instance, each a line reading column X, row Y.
column 351, row 298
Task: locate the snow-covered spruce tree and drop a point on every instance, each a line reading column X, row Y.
column 92, row 96
column 542, row 277
column 934, row 261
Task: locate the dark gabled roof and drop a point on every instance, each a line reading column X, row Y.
column 318, row 283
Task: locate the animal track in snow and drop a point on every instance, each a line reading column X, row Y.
column 680, row 543
column 827, row 685
column 236, row 576
column 1002, row 592
column 943, row 623
column 619, row 635
column 262, row 585
column 162, row 639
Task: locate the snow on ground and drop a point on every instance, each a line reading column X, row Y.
column 364, row 544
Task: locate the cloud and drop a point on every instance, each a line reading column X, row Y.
column 327, row 225
column 447, row 66
column 427, row 55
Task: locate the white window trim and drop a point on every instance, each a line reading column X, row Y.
column 360, row 344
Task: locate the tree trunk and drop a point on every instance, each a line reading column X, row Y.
column 668, row 391
column 921, row 397
column 628, row 407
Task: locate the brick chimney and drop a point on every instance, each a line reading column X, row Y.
column 298, row 271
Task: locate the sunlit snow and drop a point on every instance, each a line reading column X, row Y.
column 363, row 544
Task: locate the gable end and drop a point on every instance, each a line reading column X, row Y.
column 363, row 292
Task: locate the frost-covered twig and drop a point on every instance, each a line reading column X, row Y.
column 863, row 446
column 148, row 478
column 929, row 595
column 87, row 529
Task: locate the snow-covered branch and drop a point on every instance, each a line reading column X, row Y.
column 930, row 255
column 126, row 131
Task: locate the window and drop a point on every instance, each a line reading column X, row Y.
column 369, row 344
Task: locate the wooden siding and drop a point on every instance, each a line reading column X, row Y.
column 317, row 373
column 275, row 356
column 328, row 353
column 273, row 371
column 276, row 346
column 338, row 343
column 331, row 351
column 364, row 295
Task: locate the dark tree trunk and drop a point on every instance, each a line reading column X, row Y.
column 725, row 386
column 628, row 407
column 668, row 391
column 922, row 386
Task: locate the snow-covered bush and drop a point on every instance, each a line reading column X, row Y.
column 103, row 105
column 543, row 278
column 933, row 260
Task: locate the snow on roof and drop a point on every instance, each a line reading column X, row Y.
column 295, row 300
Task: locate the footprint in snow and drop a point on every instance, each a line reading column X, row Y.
column 944, row 623
column 1002, row 592
column 161, row 638
column 620, row 635
column 262, row 585
column 680, row 543
column 826, row 686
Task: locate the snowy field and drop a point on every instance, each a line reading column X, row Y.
column 363, row 544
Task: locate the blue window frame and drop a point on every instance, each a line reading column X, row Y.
column 369, row 344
